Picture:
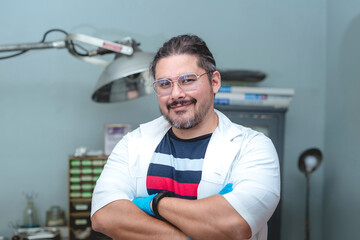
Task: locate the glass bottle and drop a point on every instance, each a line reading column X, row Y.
column 30, row 215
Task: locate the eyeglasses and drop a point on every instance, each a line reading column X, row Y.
column 187, row 82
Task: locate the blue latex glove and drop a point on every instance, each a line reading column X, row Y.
column 144, row 203
column 228, row 188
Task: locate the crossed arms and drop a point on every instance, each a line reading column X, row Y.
column 208, row 218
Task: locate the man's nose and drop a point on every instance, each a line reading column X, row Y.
column 177, row 91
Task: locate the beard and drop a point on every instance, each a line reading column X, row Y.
column 186, row 122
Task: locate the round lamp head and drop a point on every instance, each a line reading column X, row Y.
column 126, row 78
column 310, row 160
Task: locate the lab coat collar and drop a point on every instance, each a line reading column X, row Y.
column 218, row 158
column 142, row 149
column 221, row 151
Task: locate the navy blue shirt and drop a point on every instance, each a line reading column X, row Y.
column 176, row 165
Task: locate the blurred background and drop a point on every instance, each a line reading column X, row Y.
column 309, row 46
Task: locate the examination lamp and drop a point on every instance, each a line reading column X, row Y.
column 308, row 162
column 126, row 77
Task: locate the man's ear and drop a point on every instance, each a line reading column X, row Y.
column 216, row 81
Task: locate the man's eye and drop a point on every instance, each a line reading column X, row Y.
column 163, row 83
column 187, row 80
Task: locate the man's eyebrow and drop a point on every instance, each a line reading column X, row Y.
column 176, row 77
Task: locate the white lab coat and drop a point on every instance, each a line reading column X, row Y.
column 235, row 154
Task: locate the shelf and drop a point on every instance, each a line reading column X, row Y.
column 80, row 199
column 82, row 175
column 80, row 214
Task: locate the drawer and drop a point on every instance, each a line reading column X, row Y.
column 80, row 207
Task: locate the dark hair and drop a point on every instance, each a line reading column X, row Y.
column 186, row 44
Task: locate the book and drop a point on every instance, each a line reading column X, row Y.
column 252, row 96
column 258, row 90
column 271, row 103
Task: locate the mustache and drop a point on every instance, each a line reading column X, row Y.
column 181, row 102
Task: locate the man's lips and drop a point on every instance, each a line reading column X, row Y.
column 179, row 104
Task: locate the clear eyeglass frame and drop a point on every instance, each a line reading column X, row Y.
column 187, row 82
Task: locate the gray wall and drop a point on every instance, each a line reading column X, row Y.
column 45, row 95
column 342, row 135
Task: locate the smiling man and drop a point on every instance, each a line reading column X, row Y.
column 191, row 173
column 186, row 99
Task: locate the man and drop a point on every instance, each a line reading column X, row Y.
column 191, row 173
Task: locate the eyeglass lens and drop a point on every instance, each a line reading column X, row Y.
column 187, row 82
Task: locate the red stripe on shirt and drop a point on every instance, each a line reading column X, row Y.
column 168, row 184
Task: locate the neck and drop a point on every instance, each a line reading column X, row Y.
column 208, row 125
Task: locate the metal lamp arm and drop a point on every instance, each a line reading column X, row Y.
column 104, row 47
column 112, row 46
column 31, row 46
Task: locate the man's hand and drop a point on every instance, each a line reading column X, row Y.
column 144, row 204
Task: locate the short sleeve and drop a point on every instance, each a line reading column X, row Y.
column 256, row 181
column 115, row 181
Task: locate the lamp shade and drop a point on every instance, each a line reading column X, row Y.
column 310, row 160
column 125, row 78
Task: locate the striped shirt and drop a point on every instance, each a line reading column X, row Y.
column 176, row 165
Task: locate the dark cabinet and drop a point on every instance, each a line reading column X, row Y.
column 270, row 121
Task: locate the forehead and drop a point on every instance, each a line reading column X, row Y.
column 176, row 65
